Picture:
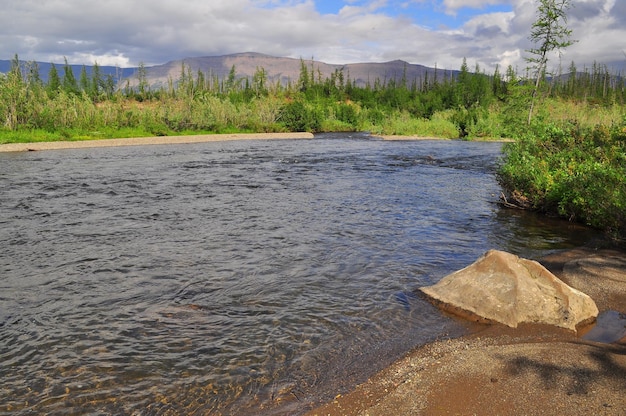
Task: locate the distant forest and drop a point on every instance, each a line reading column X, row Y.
column 468, row 103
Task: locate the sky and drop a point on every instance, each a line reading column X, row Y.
column 441, row 33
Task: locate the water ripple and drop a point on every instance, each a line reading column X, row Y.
column 235, row 277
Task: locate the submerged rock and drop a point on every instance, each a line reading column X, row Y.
column 502, row 287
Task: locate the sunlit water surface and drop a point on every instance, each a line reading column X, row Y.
column 235, row 277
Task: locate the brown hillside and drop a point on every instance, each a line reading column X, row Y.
column 285, row 70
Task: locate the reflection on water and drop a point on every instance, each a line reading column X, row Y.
column 609, row 327
column 532, row 235
column 235, row 277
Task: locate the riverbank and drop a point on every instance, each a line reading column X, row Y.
column 497, row 370
column 141, row 141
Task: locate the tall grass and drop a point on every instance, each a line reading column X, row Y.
column 401, row 123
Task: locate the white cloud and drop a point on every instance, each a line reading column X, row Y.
column 126, row 32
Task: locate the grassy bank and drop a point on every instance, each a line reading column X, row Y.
column 81, row 119
column 464, row 104
column 573, row 171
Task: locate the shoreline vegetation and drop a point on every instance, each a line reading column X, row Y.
column 463, row 104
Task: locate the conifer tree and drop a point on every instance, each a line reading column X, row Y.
column 498, row 86
column 549, row 33
column 34, row 84
column 84, row 80
column 231, row 80
column 303, row 81
column 54, row 82
column 259, row 82
column 142, row 80
column 69, row 80
column 571, row 81
column 33, row 77
column 16, row 68
column 97, row 83
column 463, row 85
column 109, row 85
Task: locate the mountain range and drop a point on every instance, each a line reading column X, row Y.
column 277, row 69
column 285, row 70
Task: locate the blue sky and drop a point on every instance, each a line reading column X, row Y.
column 489, row 33
column 428, row 13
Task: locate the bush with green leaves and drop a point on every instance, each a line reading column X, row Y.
column 575, row 172
column 300, row 116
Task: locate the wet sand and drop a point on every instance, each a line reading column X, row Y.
column 141, row 141
column 496, row 370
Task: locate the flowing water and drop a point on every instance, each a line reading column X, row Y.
column 235, row 277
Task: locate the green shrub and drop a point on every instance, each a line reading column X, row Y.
column 402, row 123
column 574, row 172
column 300, row 116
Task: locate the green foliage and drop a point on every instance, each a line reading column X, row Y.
column 575, row 172
column 403, row 124
column 143, row 89
column 69, row 80
column 471, row 105
column 13, row 97
column 300, row 116
column 54, row 82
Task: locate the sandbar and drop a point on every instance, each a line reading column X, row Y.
column 141, row 141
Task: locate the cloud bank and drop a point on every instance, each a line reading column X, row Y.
column 127, row 32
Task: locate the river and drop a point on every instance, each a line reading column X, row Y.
column 235, row 277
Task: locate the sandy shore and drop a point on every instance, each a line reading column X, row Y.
column 140, row 141
column 531, row 370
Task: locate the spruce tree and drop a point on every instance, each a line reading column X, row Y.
column 142, row 79
column 33, row 77
column 303, row 80
column 97, row 83
column 69, row 80
column 84, row 79
column 549, row 33
column 54, row 82
column 231, row 80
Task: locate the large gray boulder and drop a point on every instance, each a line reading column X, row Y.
column 505, row 288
